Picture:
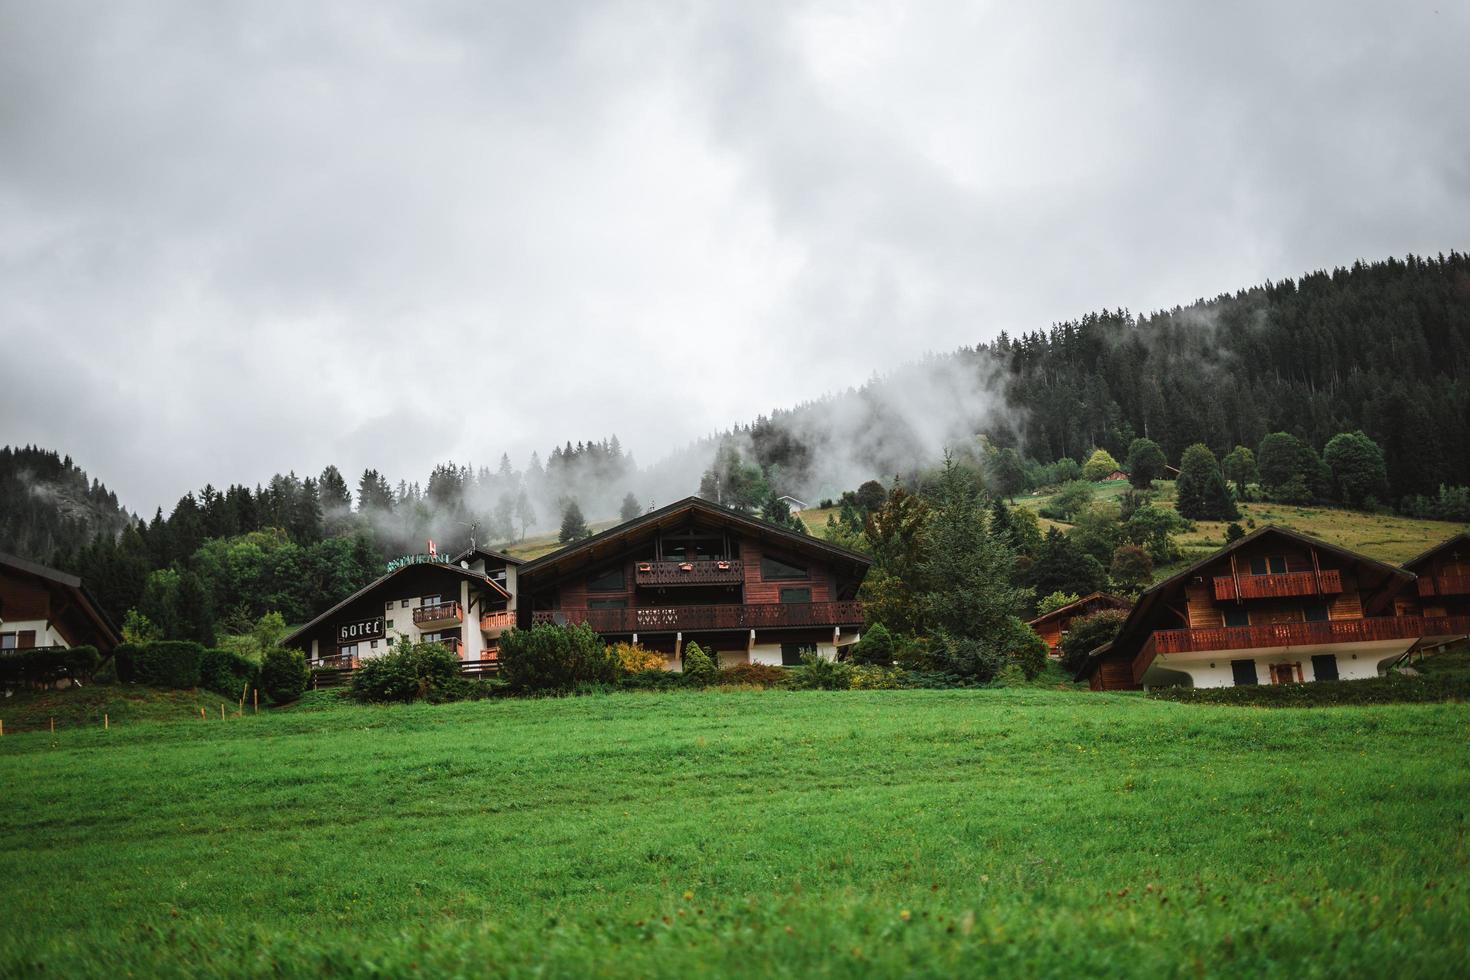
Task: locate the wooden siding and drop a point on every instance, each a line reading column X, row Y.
column 758, row 590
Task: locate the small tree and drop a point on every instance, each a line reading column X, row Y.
column 1146, row 463
column 1239, row 466
column 1201, row 491
column 1055, row 600
column 573, row 524
column 1234, row 532
column 1006, row 472
column 1359, row 474
column 1099, row 466
column 1070, row 501
column 139, row 629
column 1132, row 568
column 556, row 658
column 1061, row 566
column 1289, row 468
column 284, row 674
column 630, row 508
column 1087, row 634
column 875, row 648
column 1027, row 650
column 699, row 667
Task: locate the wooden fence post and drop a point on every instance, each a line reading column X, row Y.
column 255, row 694
column 201, row 714
column 53, row 724
column 221, row 711
column 104, row 721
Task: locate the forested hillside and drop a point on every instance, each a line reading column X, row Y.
column 49, row 506
column 1383, row 347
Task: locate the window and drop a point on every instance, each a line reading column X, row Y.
column 1236, row 616
column 429, row 600
column 1324, row 666
column 791, row 653
column 796, row 595
column 1244, row 672
column 775, row 568
column 607, row 603
column 348, row 651
column 1315, row 612
column 388, row 604
column 7, row 641
column 405, row 604
column 390, row 641
column 430, row 638
column 372, row 644
column 390, row 622
column 1268, row 565
column 610, row 580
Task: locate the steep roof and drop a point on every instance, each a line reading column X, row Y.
column 1462, row 539
column 616, row 538
column 72, row 584
column 1135, row 628
column 466, row 554
column 475, row 577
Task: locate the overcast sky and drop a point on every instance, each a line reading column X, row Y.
column 242, row 238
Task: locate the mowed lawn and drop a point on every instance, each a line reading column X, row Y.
column 935, row 833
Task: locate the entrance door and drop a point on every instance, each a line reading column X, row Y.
column 1244, row 672
column 1282, row 674
column 1324, row 666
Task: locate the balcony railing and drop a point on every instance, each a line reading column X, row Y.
column 714, row 571
column 437, row 616
column 1279, row 586
column 734, row 616
column 495, row 623
column 1433, row 585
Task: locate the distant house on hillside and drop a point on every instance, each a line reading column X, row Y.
column 1115, row 475
column 792, row 504
column 1052, row 626
column 43, row 607
column 1275, row 606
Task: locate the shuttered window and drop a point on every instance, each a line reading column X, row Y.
column 791, row 653
column 1244, row 672
column 1324, row 666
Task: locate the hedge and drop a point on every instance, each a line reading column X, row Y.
column 46, row 665
column 228, row 672
column 168, row 663
column 1393, row 689
column 284, row 674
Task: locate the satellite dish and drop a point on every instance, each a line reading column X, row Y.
column 465, row 565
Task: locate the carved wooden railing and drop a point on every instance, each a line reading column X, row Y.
column 495, row 622
column 717, row 571
column 442, row 612
column 654, row 619
column 1279, row 585
column 1433, row 585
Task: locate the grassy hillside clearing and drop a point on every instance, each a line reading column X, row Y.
column 918, row 832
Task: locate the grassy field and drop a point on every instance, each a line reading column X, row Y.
column 919, row 832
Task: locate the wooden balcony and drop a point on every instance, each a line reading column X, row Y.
column 1279, row 586
column 703, row 572
column 692, row 619
column 440, row 616
column 1444, row 585
column 495, row 623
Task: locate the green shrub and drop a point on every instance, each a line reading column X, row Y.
column 1393, row 689
column 1011, row 675
column 1027, row 650
column 556, row 658
column 1087, row 634
column 168, row 663
column 228, row 673
column 46, row 665
column 699, row 669
column 875, row 648
column 284, row 674
column 409, row 672
column 656, row 679
column 868, row 677
column 819, row 674
column 124, row 659
column 755, row 675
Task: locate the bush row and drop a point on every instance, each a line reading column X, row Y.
column 46, row 665
column 1393, row 689
column 182, row 665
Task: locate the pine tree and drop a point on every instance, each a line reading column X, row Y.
column 573, row 525
column 1201, row 493
column 630, row 508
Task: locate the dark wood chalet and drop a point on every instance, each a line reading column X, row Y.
column 43, row 607
column 1442, row 589
column 1274, row 607
column 749, row 591
column 1052, row 626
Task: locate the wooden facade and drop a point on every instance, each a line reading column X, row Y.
column 1274, row 599
column 44, row 607
column 1052, row 626
column 1443, row 585
column 697, row 568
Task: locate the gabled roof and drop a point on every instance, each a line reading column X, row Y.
column 616, row 538
column 468, row 553
column 1133, row 628
column 1462, row 539
column 475, row 577
column 1113, row 601
column 71, row 583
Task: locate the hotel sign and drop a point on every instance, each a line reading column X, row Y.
column 363, row 629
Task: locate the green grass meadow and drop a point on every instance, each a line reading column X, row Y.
column 990, row 832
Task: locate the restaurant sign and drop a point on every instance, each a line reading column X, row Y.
column 398, row 563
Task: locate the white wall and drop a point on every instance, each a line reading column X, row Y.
column 1351, row 665
column 45, row 635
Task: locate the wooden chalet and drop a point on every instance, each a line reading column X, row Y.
column 1052, row 626
column 747, row 590
column 463, row 604
column 1442, row 587
column 1274, row 607
column 43, row 607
